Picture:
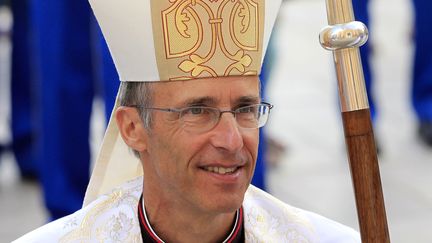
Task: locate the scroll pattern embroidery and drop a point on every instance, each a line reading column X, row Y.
column 112, row 219
column 269, row 220
column 201, row 31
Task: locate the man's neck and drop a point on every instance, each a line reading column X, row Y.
column 180, row 224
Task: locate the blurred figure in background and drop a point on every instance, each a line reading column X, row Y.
column 422, row 69
column 73, row 65
column 270, row 151
column 22, row 92
column 5, row 24
column 23, row 96
column 259, row 177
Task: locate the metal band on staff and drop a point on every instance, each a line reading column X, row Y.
column 343, row 39
column 344, row 36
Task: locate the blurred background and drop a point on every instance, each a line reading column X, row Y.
column 309, row 166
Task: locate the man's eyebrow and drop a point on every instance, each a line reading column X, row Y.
column 248, row 100
column 205, row 100
column 209, row 101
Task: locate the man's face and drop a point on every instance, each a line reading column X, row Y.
column 190, row 169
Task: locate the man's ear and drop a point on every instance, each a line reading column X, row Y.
column 131, row 128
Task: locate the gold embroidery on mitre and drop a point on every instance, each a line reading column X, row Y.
column 207, row 38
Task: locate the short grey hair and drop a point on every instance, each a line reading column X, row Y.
column 138, row 94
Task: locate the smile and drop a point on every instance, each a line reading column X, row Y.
column 221, row 170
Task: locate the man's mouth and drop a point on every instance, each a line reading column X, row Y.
column 221, row 170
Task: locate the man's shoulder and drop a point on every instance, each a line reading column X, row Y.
column 111, row 216
column 269, row 219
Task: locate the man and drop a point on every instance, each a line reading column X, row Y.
column 193, row 127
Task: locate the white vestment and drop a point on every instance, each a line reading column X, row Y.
column 113, row 218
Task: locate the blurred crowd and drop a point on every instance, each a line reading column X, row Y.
column 59, row 63
column 421, row 77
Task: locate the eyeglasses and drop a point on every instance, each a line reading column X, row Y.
column 202, row 118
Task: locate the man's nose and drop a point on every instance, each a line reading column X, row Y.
column 227, row 134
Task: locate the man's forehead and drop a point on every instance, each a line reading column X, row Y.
column 215, row 100
column 209, row 91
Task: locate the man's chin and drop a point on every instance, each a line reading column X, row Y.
column 225, row 203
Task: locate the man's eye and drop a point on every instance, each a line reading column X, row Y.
column 196, row 110
column 246, row 109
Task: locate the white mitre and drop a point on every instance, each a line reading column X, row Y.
column 168, row 40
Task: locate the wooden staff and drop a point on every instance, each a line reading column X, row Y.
column 344, row 36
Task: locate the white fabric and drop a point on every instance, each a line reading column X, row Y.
column 127, row 28
column 271, row 13
column 115, row 163
column 113, row 218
